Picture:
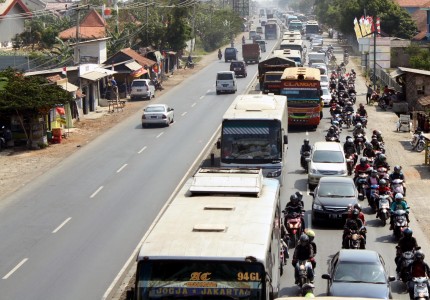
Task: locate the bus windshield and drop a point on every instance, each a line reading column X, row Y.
column 251, row 141
column 299, row 94
column 199, row 279
column 312, row 28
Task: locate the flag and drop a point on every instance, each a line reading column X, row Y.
column 378, row 26
column 113, row 67
column 64, row 72
column 357, row 29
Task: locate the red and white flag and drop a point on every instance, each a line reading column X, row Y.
column 64, row 71
column 378, row 26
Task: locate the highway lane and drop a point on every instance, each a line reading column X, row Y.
column 66, row 235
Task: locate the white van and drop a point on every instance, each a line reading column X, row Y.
column 327, row 159
column 226, row 82
column 142, row 88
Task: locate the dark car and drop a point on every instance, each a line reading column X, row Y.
column 332, row 198
column 230, row 54
column 358, row 273
column 239, row 68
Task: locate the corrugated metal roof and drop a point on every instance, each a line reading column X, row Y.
column 424, row 101
column 70, row 87
column 416, row 71
column 133, row 66
column 97, row 74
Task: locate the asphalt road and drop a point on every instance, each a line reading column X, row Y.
column 67, row 234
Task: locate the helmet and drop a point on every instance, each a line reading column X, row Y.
column 397, row 169
column 299, row 195
column 361, row 105
column 374, row 172
column 306, row 141
column 357, row 206
column 382, row 157
column 363, row 160
column 355, row 213
column 294, row 198
column 350, row 140
column 358, row 125
column 335, row 123
column 382, row 182
column 304, row 239
column 419, row 255
column 331, row 129
column 368, row 145
column 307, row 287
column 352, row 71
column 398, row 196
column 349, row 103
column 407, row 232
column 310, row 233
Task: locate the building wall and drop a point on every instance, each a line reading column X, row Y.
column 9, row 27
column 97, row 49
column 417, row 86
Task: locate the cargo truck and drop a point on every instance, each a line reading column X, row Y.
column 251, row 53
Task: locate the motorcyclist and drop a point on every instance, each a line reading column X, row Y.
column 358, row 129
column 333, row 84
column 311, row 234
column 368, row 151
column 373, row 179
column 348, row 107
column 303, row 251
column 357, row 206
column 294, row 206
column 381, row 161
column 376, row 145
column 398, row 174
column 243, row 39
column 219, row 54
column 300, row 196
column 362, row 111
column 308, row 290
column 332, row 133
column 378, row 135
column 399, row 203
column 349, row 148
column 352, row 224
column 362, row 167
column 306, row 147
column 418, row 269
column 337, row 110
column 406, row 243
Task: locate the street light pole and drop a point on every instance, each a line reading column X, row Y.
column 374, row 56
column 193, row 41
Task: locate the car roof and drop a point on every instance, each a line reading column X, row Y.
column 360, row 255
column 141, row 79
column 225, row 72
column 156, row 105
column 336, row 179
column 327, row 146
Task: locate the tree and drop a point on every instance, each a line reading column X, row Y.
column 29, row 98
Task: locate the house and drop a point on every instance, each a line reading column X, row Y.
column 416, row 8
column 90, row 44
column 10, row 24
column 411, row 6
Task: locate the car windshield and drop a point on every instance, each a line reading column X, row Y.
column 139, row 83
column 325, row 92
column 359, row 272
column 324, row 79
column 326, row 156
column 336, row 189
column 155, row 109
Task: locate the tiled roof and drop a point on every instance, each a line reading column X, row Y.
column 91, row 27
column 7, row 5
column 143, row 61
column 420, row 18
column 424, row 101
column 410, row 3
column 420, row 36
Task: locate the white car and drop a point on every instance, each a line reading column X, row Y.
column 142, row 88
column 322, row 67
column 324, row 81
column 326, row 96
column 159, row 114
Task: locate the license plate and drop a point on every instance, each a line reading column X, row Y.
column 139, row 90
column 237, row 69
column 225, row 85
column 334, row 216
column 153, row 117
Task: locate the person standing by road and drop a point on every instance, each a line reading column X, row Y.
column 369, row 93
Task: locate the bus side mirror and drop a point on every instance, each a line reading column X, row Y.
column 285, row 139
column 218, row 144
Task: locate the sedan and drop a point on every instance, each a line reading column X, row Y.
column 332, row 198
column 358, row 273
column 326, row 96
column 159, row 114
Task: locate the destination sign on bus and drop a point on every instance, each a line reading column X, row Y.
column 308, row 84
column 182, row 291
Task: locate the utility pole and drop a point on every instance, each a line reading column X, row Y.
column 375, row 32
column 193, row 29
column 147, row 22
column 77, row 58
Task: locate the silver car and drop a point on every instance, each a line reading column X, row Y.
column 159, row 114
column 142, row 88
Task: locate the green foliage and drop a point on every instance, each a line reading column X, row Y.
column 339, row 14
column 421, row 60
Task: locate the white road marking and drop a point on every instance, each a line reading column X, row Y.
column 16, row 268
column 194, row 104
column 201, row 97
column 61, row 225
column 95, row 193
column 122, row 168
column 161, row 133
column 141, row 150
column 184, row 113
column 307, row 133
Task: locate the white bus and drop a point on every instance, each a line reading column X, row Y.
column 218, row 238
column 254, row 134
column 290, row 54
column 311, row 28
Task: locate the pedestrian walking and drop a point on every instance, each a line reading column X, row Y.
column 369, row 93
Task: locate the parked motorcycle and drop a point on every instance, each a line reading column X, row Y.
column 418, row 141
column 421, row 291
column 189, row 64
column 384, row 202
column 157, row 85
column 400, row 222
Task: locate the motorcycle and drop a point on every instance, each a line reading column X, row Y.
column 293, row 223
column 304, row 271
column 361, row 182
column 421, row 291
column 384, row 208
column 219, row 55
column 350, row 162
column 397, row 186
column 337, row 118
column 382, row 103
column 348, row 119
column 373, row 196
column 359, row 141
column 334, row 138
column 407, row 259
column 189, row 64
column 356, row 239
column 418, row 141
column 157, row 85
column 400, row 222
column 363, row 121
column 382, row 172
column 303, row 161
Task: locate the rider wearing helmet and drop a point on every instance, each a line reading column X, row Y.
column 406, row 243
column 398, row 174
column 383, row 187
column 373, row 179
column 376, row 145
column 300, row 196
column 368, row 151
column 348, row 107
column 332, row 133
column 398, row 204
column 294, row 207
column 305, row 148
column 308, row 290
column 358, row 129
column 349, row 148
column 378, row 135
column 357, row 206
column 362, row 111
column 362, row 167
column 418, row 269
column 311, row 234
column 303, row 251
column 353, row 223
column 381, row 161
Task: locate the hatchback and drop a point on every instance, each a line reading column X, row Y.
column 332, row 198
column 239, row 68
column 142, row 88
column 326, row 95
column 157, row 114
column 358, row 273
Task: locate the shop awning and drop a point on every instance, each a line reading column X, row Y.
column 70, row 87
column 396, row 73
column 424, row 101
column 139, row 72
column 133, row 66
column 98, row 74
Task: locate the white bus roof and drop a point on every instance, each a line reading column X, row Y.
column 292, row 42
column 216, row 226
column 257, row 107
column 287, row 53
